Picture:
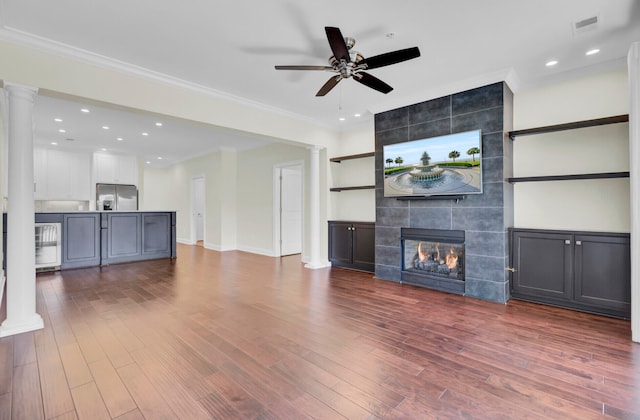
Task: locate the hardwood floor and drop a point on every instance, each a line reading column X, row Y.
column 236, row 335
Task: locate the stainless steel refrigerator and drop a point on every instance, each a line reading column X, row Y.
column 116, row 197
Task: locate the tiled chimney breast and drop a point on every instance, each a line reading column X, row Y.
column 484, row 217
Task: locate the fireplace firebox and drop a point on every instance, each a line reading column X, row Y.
column 433, row 258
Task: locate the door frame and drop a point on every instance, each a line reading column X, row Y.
column 277, row 171
column 192, row 218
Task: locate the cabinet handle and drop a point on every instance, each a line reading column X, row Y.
column 567, row 242
column 578, row 242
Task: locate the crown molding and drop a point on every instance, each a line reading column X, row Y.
column 28, row 40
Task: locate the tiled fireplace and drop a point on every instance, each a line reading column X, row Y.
column 480, row 220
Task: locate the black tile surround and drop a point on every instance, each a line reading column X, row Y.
column 485, row 217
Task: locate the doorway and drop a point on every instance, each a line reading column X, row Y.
column 198, row 210
column 288, row 208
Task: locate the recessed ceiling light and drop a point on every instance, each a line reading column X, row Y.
column 57, row 119
column 62, row 130
column 356, row 115
column 145, row 134
column 148, row 162
column 551, row 63
column 70, row 139
column 158, row 124
column 593, row 51
column 119, row 139
column 106, row 127
column 159, row 157
column 342, row 118
column 104, row 149
column 53, row 143
column 85, row 110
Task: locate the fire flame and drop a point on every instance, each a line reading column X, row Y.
column 423, row 256
column 451, row 259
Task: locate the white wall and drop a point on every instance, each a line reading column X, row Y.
column 255, row 195
column 239, row 196
column 590, row 205
column 170, row 189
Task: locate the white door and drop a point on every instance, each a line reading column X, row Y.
column 291, row 210
column 198, row 207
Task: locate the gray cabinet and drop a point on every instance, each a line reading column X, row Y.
column 352, row 245
column 578, row 270
column 135, row 236
column 80, row 240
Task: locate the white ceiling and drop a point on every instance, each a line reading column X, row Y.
column 230, row 47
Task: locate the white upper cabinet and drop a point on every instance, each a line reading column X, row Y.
column 115, row 169
column 61, row 175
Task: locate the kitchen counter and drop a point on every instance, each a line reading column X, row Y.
column 99, row 238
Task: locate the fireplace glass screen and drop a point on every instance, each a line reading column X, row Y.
column 434, row 258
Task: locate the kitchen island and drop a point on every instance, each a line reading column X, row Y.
column 99, row 238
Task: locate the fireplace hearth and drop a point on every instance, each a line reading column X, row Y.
column 433, row 258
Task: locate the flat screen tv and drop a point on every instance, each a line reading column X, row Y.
column 436, row 166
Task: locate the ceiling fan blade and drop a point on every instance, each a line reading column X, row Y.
column 331, row 83
column 337, row 44
column 372, row 82
column 327, row 68
column 389, row 58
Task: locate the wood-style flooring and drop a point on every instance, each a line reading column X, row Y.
column 236, row 335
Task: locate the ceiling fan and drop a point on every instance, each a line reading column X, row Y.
column 350, row 63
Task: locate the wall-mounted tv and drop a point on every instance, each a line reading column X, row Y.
column 436, row 166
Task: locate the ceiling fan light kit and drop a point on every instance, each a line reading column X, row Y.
column 347, row 63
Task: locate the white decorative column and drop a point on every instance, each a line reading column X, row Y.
column 314, row 210
column 633, row 62
column 21, row 259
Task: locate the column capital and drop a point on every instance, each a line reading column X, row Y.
column 25, row 91
column 315, row 148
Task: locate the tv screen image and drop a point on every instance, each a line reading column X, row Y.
column 445, row 165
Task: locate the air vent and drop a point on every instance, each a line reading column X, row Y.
column 585, row 25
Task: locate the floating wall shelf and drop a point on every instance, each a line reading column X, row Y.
column 603, row 175
column 358, row 187
column 570, row 126
column 358, row 156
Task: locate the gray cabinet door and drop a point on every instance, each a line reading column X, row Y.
column 364, row 241
column 156, row 234
column 124, row 241
column 80, row 240
column 603, row 272
column 543, row 265
column 340, row 243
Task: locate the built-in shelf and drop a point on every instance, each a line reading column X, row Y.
column 570, row 126
column 358, row 156
column 563, row 127
column 357, row 187
column 603, row 175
